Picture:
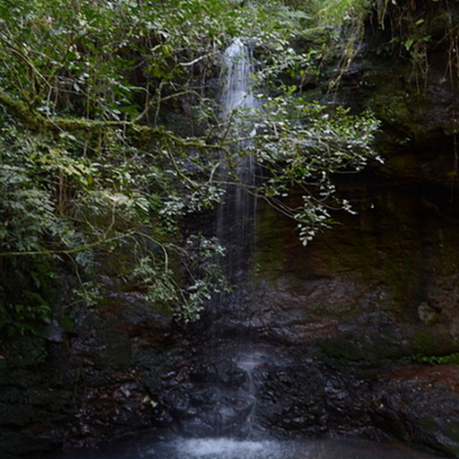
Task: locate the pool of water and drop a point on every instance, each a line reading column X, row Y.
column 226, row 448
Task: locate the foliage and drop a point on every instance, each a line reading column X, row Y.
column 416, row 31
column 419, row 31
column 91, row 167
column 343, row 12
column 299, row 146
column 347, row 18
column 437, row 360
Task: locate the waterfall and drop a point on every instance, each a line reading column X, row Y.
column 224, row 394
column 238, row 64
column 235, row 227
column 221, row 401
column 236, row 217
column 217, row 406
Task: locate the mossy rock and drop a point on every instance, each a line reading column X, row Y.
column 313, row 38
column 397, row 108
column 429, row 424
column 272, row 232
column 67, row 324
column 342, row 349
column 452, row 431
column 28, row 352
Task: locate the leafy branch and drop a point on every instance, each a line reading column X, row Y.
column 92, row 168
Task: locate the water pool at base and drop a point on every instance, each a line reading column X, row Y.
column 225, row 448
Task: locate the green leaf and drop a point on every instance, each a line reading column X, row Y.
column 409, row 43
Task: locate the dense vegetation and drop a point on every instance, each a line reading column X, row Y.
column 111, row 135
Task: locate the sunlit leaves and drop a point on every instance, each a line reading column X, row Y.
column 299, row 145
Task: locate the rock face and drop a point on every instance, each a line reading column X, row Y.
column 389, row 272
column 100, row 380
column 420, row 405
column 376, row 293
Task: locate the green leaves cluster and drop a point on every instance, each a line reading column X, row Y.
column 92, row 170
column 299, row 146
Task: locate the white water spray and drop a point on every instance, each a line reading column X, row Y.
column 235, row 226
column 238, row 64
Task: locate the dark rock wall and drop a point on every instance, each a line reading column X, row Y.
column 377, row 292
column 372, row 303
column 101, row 378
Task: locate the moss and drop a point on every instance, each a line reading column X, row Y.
column 422, row 342
column 342, row 349
column 429, row 424
column 271, row 234
column 314, row 38
column 394, row 98
column 385, row 347
column 393, row 108
column 35, row 122
column 348, row 251
column 358, row 254
column 426, row 342
column 67, row 324
column 21, row 111
column 452, row 431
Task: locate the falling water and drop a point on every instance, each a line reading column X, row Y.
column 223, row 395
column 222, row 399
column 236, row 216
column 238, row 64
column 235, row 226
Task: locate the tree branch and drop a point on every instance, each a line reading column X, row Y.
column 141, row 133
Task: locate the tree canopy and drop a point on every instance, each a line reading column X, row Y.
column 111, row 134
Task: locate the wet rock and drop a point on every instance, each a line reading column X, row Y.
column 76, row 386
column 52, row 332
column 421, row 405
column 427, row 313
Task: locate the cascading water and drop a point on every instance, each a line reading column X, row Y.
column 238, row 64
column 223, row 399
column 225, row 378
column 236, row 215
column 236, row 219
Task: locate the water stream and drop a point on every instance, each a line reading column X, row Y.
column 224, row 395
column 236, row 216
column 235, row 229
